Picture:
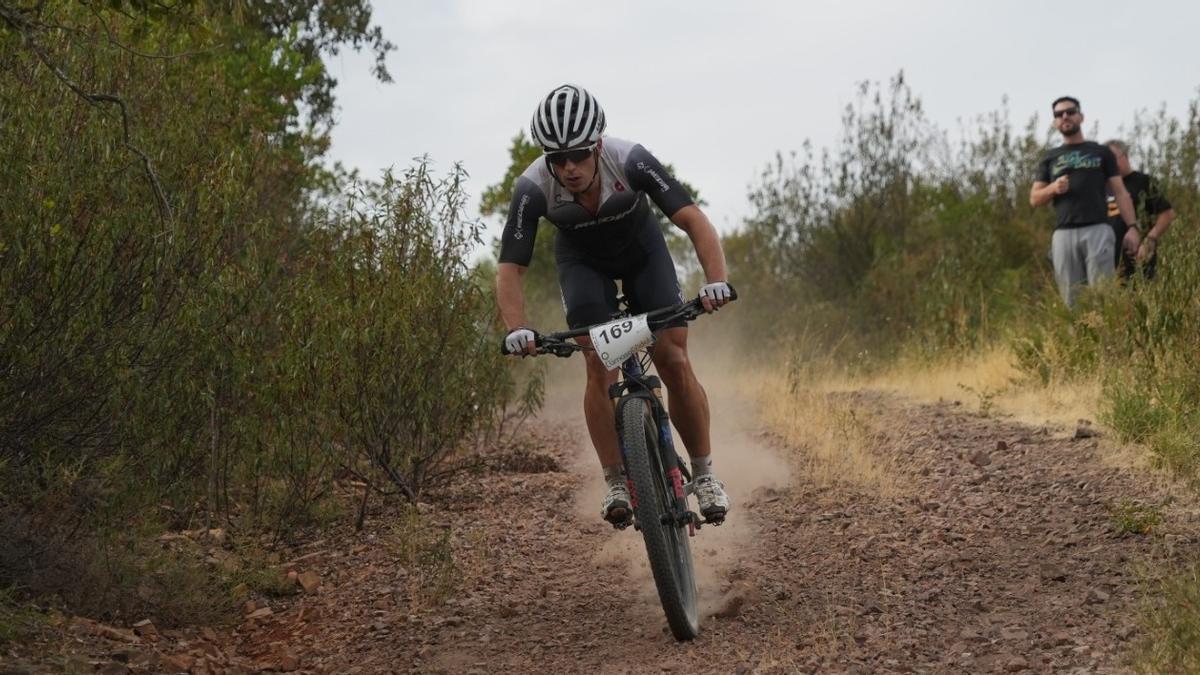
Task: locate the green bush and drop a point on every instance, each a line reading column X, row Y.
column 896, row 239
column 899, row 241
column 393, row 336
column 197, row 322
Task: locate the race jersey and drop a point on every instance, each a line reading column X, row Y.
column 627, row 173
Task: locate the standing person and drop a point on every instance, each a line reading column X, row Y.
column 1154, row 215
column 1076, row 176
column 593, row 188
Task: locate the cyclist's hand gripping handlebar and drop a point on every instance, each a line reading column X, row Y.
column 519, row 340
column 716, row 294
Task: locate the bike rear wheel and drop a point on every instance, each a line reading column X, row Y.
column 666, row 543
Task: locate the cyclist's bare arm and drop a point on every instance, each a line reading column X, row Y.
column 704, row 238
column 509, row 294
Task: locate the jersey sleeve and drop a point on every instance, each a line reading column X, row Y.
column 647, row 174
column 1042, row 173
column 1108, row 162
column 527, row 207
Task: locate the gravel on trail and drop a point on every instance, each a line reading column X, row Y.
column 999, row 551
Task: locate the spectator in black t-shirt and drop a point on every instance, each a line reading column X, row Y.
column 1154, row 215
column 1077, row 176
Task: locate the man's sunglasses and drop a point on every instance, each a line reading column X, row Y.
column 573, row 156
column 1065, row 112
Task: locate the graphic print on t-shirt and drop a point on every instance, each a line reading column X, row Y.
column 1072, row 161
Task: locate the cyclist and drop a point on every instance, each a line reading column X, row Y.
column 593, row 188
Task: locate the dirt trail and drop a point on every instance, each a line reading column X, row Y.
column 998, row 554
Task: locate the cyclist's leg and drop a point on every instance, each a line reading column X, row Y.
column 598, row 410
column 686, row 399
column 589, row 297
column 688, row 404
column 652, row 285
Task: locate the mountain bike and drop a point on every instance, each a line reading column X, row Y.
column 659, row 480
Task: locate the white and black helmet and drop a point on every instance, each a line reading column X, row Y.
column 568, row 118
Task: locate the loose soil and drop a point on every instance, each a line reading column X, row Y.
column 1001, row 551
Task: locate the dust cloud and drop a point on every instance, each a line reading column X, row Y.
column 742, row 462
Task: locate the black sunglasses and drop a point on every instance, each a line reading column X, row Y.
column 1065, row 112
column 573, row 156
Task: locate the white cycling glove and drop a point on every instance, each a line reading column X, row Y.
column 518, row 339
column 717, row 291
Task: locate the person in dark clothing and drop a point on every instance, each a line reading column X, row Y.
column 1077, row 177
column 596, row 190
column 1154, row 215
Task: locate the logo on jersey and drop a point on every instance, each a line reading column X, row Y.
column 654, row 174
column 520, row 231
column 618, row 186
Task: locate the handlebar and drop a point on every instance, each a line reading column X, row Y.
column 558, row 343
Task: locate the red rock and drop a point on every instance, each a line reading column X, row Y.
column 145, row 629
column 309, row 581
column 114, row 633
column 1016, row 664
column 179, row 663
column 981, row 458
column 288, row 662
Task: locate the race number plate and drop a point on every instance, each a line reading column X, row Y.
column 616, row 341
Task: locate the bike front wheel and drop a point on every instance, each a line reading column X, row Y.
column 666, row 542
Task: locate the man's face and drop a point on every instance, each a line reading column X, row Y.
column 575, row 168
column 1067, row 118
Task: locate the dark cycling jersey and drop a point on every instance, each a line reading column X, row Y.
column 628, row 172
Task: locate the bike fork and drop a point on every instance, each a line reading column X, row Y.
column 666, row 444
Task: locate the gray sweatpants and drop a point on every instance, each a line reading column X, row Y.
column 1082, row 255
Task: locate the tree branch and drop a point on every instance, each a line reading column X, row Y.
column 24, row 28
column 112, row 38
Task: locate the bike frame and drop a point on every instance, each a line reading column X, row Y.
column 635, row 383
column 651, row 466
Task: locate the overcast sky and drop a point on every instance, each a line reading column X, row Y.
column 715, row 88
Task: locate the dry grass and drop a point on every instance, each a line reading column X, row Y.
column 834, row 438
column 991, row 383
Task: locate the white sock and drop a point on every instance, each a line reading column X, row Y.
column 614, row 475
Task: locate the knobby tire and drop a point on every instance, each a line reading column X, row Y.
column 666, row 544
